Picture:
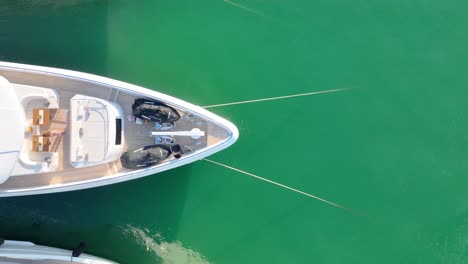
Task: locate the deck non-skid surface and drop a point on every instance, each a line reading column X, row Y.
column 135, row 135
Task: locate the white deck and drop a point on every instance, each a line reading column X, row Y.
column 135, row 135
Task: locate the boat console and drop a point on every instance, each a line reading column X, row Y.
column 95, row 131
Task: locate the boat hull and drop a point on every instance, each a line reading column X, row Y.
column 18, row 251
column 44, row 73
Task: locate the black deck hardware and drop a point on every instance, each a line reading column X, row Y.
column 78, row 250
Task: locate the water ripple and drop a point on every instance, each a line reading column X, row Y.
column 168, row 252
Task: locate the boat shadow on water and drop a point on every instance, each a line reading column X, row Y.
column 134, row 219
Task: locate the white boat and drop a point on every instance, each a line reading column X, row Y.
column 20, row 252
column 63, row 130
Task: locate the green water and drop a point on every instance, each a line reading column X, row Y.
column 393, row 148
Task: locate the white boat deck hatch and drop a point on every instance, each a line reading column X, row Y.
column 12, row 126
column 93, row 131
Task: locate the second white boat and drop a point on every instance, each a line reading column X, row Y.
column 22, row 252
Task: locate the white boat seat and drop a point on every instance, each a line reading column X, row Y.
column 26, row 166
column 47, row 98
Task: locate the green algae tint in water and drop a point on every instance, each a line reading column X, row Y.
column 393, row 148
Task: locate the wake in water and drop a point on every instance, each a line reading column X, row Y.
column 281, row 185
column 168, row 253
column 244, row 7
column 277, row 98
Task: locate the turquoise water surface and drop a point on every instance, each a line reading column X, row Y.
column 392, row 148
